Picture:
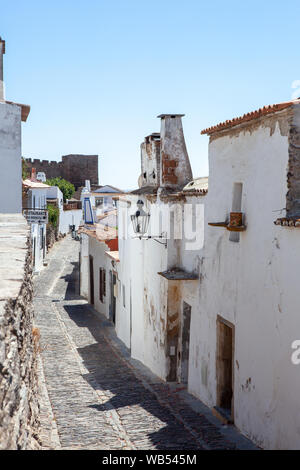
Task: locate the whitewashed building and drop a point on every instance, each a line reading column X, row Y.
column 105, row 198
column 70, row 213
column 98, row 258
column 243, row 356
column 35, row 201
column 11, row 116
column 158, row 271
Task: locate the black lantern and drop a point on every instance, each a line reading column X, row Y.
column 140, row 220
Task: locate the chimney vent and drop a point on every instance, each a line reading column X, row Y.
column 175, row 168
column 33, row 174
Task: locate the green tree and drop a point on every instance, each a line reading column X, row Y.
column 67, row 188
column 53, row 214
column 25, row 169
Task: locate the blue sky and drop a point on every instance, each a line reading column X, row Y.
column 97, row 73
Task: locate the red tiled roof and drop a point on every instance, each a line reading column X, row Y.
column 34, row 184
column 273, row 108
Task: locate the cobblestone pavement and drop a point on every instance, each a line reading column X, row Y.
column 94, row 395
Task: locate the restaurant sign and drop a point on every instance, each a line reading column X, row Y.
column 36, row 216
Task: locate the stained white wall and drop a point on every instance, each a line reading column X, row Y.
column 10, row 159
column 253, row 284
column 67, row 218
column 84, row 265
column 142, row 324
column 100, row 260
column 36, row 199
column 38, row 243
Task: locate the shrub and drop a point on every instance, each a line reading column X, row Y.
column 53, row 214
column 67, row 188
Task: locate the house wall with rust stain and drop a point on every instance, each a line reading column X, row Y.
column 97, row 250
column 141, row 323
column 175, row 165
column 150, row 322
column 156, row 306
column 253, row 283
column 150, row 161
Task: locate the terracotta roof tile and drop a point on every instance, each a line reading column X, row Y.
column 287, row 222
column 273, row 108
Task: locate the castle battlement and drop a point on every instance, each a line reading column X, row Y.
column 73, row 168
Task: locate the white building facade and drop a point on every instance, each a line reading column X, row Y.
column 68, row 216
column 158, row 271
column 35, row 200
column 247, row 320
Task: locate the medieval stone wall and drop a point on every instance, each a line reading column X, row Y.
column 19, row 407
column 73, row 168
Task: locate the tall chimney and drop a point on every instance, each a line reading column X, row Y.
column 33, row 174
column 2, row 52
column 175, row 170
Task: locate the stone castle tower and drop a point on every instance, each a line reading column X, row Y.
column 73, row 168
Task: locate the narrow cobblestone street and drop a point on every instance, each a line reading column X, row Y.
column 94, row 395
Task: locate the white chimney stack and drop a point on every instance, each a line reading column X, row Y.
column 175, row 168
column 2, row 52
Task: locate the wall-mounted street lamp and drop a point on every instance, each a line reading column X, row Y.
column 140, row 222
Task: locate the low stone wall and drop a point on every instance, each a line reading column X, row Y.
column 51, row 236
column 19, row 407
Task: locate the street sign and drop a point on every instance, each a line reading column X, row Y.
column 36, row 216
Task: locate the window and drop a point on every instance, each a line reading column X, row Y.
column 41, row 238
column 99, row 201
column 123, row 290
column 102, row 284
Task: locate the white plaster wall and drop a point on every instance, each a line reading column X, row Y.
column 67, row 218
column 53, row 192
column 38, row 251
column 129, row 271
column 141, row 324
column 254, row 285
column 10, row 159
column 100, row 260
column 155, row 307
column 38, row 198
column 84, row 266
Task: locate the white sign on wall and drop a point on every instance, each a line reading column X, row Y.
column 36, row 216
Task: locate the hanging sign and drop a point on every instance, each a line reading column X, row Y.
column 36, row 216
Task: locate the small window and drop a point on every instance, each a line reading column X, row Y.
column 102, row 284
column 124, row 304
column 41, row 238
column 99, row 201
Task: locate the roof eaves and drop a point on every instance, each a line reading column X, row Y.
column 249, row 116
